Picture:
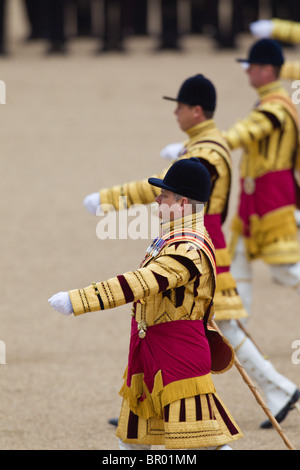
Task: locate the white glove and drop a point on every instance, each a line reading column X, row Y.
column 171, row 151
column 262, row 28
column 92, row 202
column 244, row 65
column 62, row 303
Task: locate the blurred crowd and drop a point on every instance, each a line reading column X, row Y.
column 110, row 22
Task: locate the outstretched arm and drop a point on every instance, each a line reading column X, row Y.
column 282, row 30
column 257, row 126
column 166, row 272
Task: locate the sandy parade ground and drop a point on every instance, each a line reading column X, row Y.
column 72, row 125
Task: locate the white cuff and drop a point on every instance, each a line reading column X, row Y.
column 92, row 202
column 171, row 151
column 262, row 28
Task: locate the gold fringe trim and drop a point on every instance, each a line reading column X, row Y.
column 228, row 305
column 271, row 239
column 188, row 434
column 225, row 281
column 282, row 251
column 152, row 404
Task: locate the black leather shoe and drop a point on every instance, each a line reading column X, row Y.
column 113, row 421
column 282, row 413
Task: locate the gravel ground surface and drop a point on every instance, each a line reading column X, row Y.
column 70, row 126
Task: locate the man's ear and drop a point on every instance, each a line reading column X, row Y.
column 198, row 111
column 184, row 200
column 270, row 72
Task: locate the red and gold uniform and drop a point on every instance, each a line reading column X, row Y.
column 168, row 394
column 265, row 218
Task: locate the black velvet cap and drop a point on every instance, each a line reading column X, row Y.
column 187, row 177
column 197, row 90
column 265, row 51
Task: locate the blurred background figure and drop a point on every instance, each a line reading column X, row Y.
column 227, row 18
column 111, row 22
column 140, row 16
column 3, row 18
column 36, row 20
column 55, row 27
column 83, row 12
column 112, row 35
column 285, row 9
column 169, row 38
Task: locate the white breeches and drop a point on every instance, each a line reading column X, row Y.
column 284, row 274
column 242, row 273
column 287, row 275
column 276, row 388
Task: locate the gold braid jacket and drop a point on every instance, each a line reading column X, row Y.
column 269, row 137
column 177, row 284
